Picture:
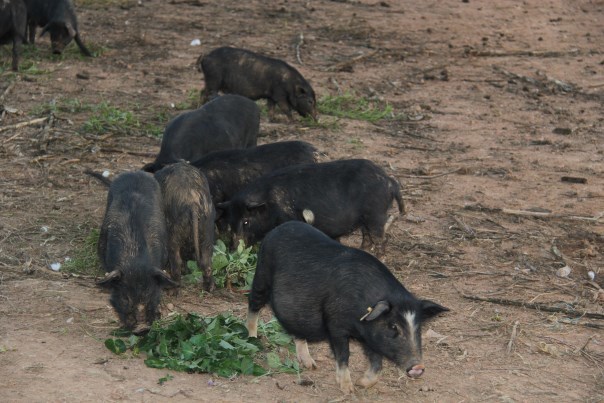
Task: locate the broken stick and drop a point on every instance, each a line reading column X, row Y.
column 512, row 338
column 348, row 63
column 300, row 42
column 20, row 125
column 431, row 176
column 536, row 306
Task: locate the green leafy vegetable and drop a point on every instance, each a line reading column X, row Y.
column 230, row 269
column 216, row 344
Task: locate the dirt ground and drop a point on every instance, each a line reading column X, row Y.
column 494, row 102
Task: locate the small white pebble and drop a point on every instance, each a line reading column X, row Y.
column 67, row 258
column 70, row 320
column 563, row 271
column 172, row 105
column 195, row 42
column 55, row 266
column 44, row 229
column 591, row 274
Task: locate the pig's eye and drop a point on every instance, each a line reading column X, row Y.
column 394, row 328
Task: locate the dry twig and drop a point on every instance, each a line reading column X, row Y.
column 546, row 214
column 20, row 125
column 135, row 153
column 431, row 176
column 349, row 63
column 300, row 42
column 512, row 337
column 538, row 307
column 516, row 53
column 465, row 227
column 7, row 90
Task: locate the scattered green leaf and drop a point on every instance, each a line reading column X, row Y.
column 116, row 346
column 165, row 379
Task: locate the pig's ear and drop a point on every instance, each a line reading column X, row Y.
column 300, row 90
column 222, row 206
column 111, row 279
column 375, row 311
column 163, row 280
column 431, row 309
column 252, row 204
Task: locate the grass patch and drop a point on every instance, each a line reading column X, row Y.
column 192, row 101
column 217, row 344
column 85, row 260
column 325, row 122
column 72, row 51
column 109, row 118
column 351, row 106
column 31, row 55
column 70, row 105
column 229, row 269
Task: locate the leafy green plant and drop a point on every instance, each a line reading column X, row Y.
column 229, row 269
column 352, row 106
column 234, row 269
column 85, row 259
column 217, row 344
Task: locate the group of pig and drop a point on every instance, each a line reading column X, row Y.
column 210, row 177
column 20, row 18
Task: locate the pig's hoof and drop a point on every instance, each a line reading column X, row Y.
column 343, row 379
column 346, row 386
column 308, row 362
column 366, row 382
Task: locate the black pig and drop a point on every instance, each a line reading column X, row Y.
column 190, row 218
column 227, row 122
column 13, row 24
column 132, row 249
column 229, row 171
column 57, row 17
column 337, row 197
column 322, row 290
column 255, row 76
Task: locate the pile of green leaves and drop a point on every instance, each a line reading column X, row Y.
column 229, row 269
column 356, row 107
column 216, row 344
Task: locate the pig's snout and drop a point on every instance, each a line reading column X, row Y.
column 141, row 329
column 416, row 371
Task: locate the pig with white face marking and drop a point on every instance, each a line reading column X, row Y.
column 322, row 290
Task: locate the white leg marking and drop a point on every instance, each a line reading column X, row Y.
column 252, row 323
column 369, row 379
column 343, row 379
column 304, row 355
